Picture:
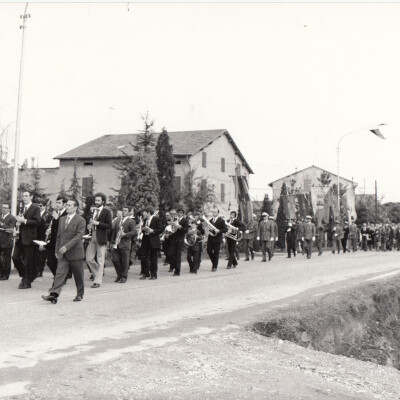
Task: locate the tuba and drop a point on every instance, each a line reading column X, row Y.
column 209, row 228
column 233, row 232
column 191, row 238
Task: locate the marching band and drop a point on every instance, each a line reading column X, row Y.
column 33, row 238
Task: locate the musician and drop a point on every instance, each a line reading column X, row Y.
column 248, row 237
column 214, row 242
column 41, row 253
column 291, row 239
column 23, row 256
column 151, row 243
column 121, row 238
column 69, row 252
column 194, row 235
column 165, row 242
column 266, row 235
column 96, row 250
column 232, row 261
column 7, row 224
column 364, row 236
column 176, row 239
column 308, row 237
column 51, row 232
column 337, row 235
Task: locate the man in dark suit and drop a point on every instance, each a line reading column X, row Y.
column 176, row 239
column 41, row 253
column 99, row 225
column 23, row 256
column 232, row 261
column 7, row 224
column 308, row 236
column 123, row 231
column 151, row 243
column 69, row 252
column 58, row 212
column 215, row 238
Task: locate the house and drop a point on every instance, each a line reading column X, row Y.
column 318, row 183
column 212, row 154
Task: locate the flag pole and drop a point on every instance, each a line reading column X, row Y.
column 14, row 193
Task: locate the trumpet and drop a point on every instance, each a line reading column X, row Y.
column 169, row 230
column 233, row 232
column 209, row 228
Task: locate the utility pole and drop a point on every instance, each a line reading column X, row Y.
column 14, row 195
column 376, row 202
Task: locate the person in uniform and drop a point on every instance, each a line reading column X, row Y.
column 248, row 238
column 337, row 234
column 214, row 239
column 364, row 236
column 345, row 237
column 121, row 239
column 353, row 236
column 266, row 236
column 194, row 235
column 320, row 236
column 7, row 225
column 232, row 261
column 291, row 239
column 176, row 240
column 309, row 236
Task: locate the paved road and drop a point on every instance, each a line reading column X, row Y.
column 119, row 319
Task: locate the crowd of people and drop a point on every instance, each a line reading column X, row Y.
column 66, row 239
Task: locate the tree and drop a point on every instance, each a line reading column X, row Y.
column 146, row 140
column 165, row 171
column 267, row 205
column 37, row 191
column 393, row 211
column 139, row 187
column 196, row 192
column 75, row 189
column 325, row 178
column 281, row 218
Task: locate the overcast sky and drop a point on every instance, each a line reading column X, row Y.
column 286, row 80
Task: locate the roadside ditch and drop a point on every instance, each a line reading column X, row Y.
column 362, row 322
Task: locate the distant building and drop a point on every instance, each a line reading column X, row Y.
column 213, row 155
column 317, row 183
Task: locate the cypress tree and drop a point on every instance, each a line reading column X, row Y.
column 281, row 218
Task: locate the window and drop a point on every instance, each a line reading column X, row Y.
column 204, row 160
column 178, row 162
column 222, row 192
column 222, row 164
column 87, row 186
column 177, row 183
column 88, row 163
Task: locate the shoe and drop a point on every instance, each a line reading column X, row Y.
column 288, row 257
column 24, row 286
column 234, row 266
column 51, row 298
column 213, row 269
column 175, row 274
column 170, row 270
column 78, row 298
column 228, row 267
column 264, row 260
column 91, row 277
column 246, row 259
column 153, row 278
column 144, row 277
column 39, row 275
column 117, row 279
column 308, row 257
column 252, row 257
column 95, row 285
column 3, row 278
column 122, row 280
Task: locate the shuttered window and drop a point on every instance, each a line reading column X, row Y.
column 204, row 160
column 177, row 183
column 87, row 186
column 222, row 164
column 222, row 192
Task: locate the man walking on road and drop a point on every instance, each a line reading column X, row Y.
column 309, row 236
column 69, row 252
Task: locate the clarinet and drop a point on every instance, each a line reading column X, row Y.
column 20, row 214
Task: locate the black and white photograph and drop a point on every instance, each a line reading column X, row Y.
column 200, row 201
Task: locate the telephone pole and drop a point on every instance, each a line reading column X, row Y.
column 376, row 202
column 14, row 195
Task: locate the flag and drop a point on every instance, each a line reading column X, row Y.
column 378, row 133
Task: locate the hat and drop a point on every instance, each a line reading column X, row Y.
column 264, row 214
column 346, row 223
column 337, row 222
column 271, row 217
column 308, row 217
column 254, row 216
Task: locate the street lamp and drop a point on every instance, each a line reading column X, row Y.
column 375, row 130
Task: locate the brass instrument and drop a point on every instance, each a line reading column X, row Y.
column 90, row 224
column 233, row 232
column 169, row 230
column 18, row 224
column 119, row 236
column 209, row 228
column 48, row 232
column 191, row 237
column 147, row 228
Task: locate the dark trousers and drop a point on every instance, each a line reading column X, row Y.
column 23, row 258
column 120, row 260
column 248, row 248
column 232, row 252
column 364, row 243
column 344, row 244
column 308, row 244
column 175, row 255
column 193, row 257
column 149, row 259
column 40, row 260
column 265, row 248
column 61, row 276
column 319, row 241
column 291, row 247
column 5, row 262
column 213, row 252
column 52, row 260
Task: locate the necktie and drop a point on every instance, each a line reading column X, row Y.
column 67, row 221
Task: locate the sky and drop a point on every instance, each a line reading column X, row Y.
column 286, row 80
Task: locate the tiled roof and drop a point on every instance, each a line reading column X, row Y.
column 115, row 146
